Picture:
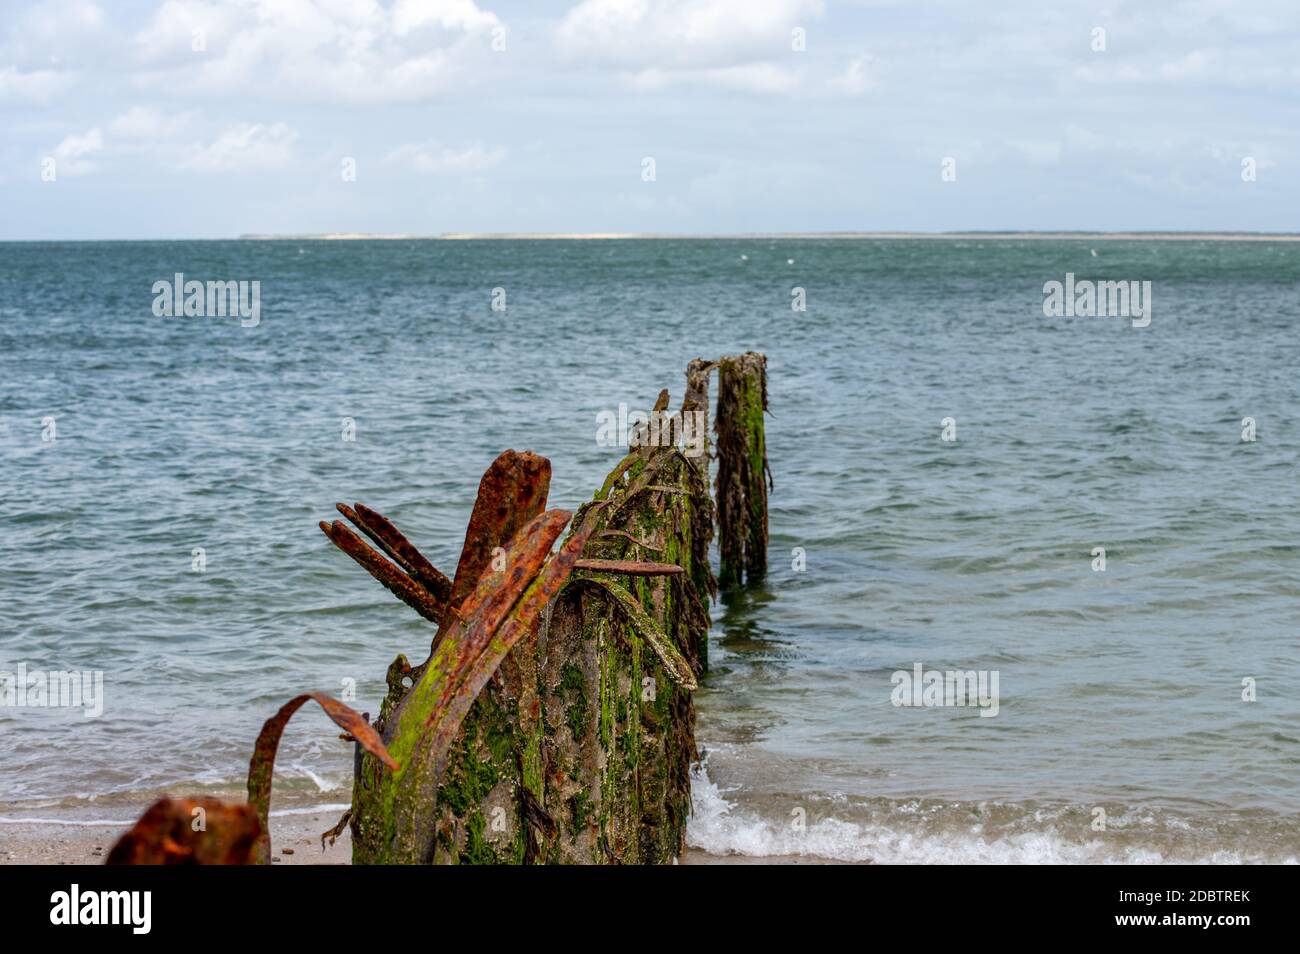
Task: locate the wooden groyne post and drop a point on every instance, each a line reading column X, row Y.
column 743, row 475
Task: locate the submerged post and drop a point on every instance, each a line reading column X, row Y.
column 743, row 475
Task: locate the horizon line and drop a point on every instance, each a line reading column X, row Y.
column 996, row 234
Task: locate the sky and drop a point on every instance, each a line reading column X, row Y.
column 139, row 119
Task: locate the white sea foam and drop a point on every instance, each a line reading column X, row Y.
column 323, row 784
column 719, row 827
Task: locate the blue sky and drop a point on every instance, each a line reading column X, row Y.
column 477, row 115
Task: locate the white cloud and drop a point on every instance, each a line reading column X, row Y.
column 35, row 86
column 39, row 43
column 1234, row 152
column 859, row 77
column 73, row 151
column 1190, row 67
column 48, row 20
column 410, row 15
column 148, row 123
column 749, row 78
column 432, row 158
column 337, row 51
column 243, row 148
column 54, row 32
column 724, row 44
column 159, row 136
column 656, row 43
column 172, row 33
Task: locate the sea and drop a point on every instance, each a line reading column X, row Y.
column 1096, row 515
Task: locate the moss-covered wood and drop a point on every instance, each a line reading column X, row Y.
column 743, row 475
column 580, row 750
column 453, row 742
column 622, row 655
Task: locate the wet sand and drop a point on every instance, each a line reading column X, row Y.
column 295, row 840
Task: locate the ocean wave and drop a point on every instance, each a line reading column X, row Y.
column 910, row 833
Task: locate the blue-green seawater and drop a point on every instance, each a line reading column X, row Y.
column 1120, row 690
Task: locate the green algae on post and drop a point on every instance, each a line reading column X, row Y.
column 743, row 475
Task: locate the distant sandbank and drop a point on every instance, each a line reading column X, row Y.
column 784, row 236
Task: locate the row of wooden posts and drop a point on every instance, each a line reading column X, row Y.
column 553, row 720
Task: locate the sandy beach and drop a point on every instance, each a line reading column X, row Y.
column 295, row 840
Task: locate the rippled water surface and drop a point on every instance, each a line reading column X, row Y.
column 1119, row 690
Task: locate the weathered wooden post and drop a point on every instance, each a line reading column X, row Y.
column 503, row 583
column 743, row 475
column 623, row 654
column 578, row 749
column 697, row 403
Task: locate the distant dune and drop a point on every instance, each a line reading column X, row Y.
column 328, row 237
column 1090, row 236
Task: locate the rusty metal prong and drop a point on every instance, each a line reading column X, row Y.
column 375, row 537
column 380, row 529
column 629, row 567
column 398, row 583
column 500, row 613
column 512, row 492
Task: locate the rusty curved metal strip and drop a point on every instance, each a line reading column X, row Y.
column 503, row 633
column 495, row 595
column 375, row 536
column 512, row 492
column 629, row 567
column 262, row 764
